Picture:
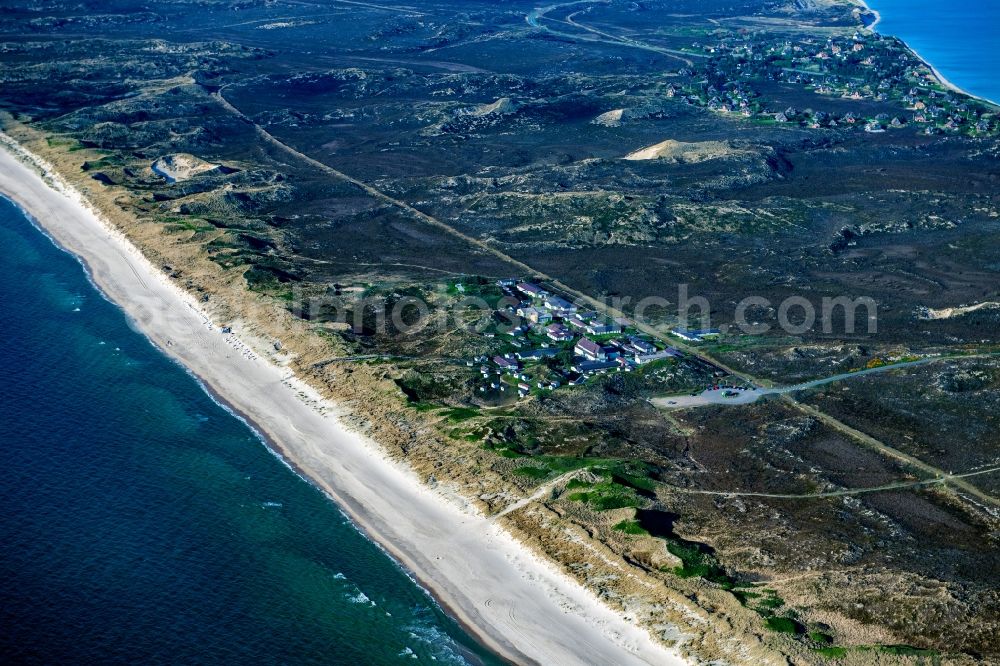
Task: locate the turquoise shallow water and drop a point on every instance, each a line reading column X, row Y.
column 142, row 523
column 961, row 38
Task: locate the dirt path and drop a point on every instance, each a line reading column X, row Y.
column 539, row 493
column 900, row 485
column 957, row 481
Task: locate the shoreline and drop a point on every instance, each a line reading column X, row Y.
column 941, row 78
column 863, row 4
column 514, row 602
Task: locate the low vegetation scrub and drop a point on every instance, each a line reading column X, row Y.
column 631, row 527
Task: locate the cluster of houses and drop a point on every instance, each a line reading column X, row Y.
column 620, row 354
column 733, row 98
column 857, row 67
column 561, row 319
column 554, row 342
column 942, row 112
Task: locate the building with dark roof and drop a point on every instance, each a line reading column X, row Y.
column 589, row 349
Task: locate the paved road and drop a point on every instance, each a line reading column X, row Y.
column 741, row 396
column 532, row 18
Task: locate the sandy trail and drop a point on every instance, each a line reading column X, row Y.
column 519, row 605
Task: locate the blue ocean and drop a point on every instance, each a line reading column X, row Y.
column 961, row 38
column 143, row 523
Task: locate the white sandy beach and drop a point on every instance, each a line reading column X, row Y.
column 519, row 605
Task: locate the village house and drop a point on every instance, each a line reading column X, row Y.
column 603, row 328
column 507, row 364
column 669, row 352
column 696, row 336
column 560, row 306
column 589, row 367
column 639, row 346
column 537, row 354
column 558, row 333
column 535, row 315
column 589, row 349
column 517, row 331
column 531, row 290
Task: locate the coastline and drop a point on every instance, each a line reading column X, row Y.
column 863, row 4
column 496, row 587
column 941, row 78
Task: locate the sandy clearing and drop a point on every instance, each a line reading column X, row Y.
column 687, row 152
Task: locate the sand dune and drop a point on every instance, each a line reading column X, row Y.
column 680, row 151
column 181, row 167
column 611, row 118
column 948, row 313
column 500, row 107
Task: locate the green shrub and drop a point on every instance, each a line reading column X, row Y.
column 611, row 502
column 832, row 652
column 533, row 472
column 904, row 650
column 631, row 527
column 771, row 601
column 606, row 496
column 456, row 414
column 784, row 625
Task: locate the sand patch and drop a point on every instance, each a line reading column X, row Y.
column 948, row 313
column 502, row 106
column 181, row 166
column 609, row 118
column 689, row 153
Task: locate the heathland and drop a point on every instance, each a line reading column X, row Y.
column 296, row 167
